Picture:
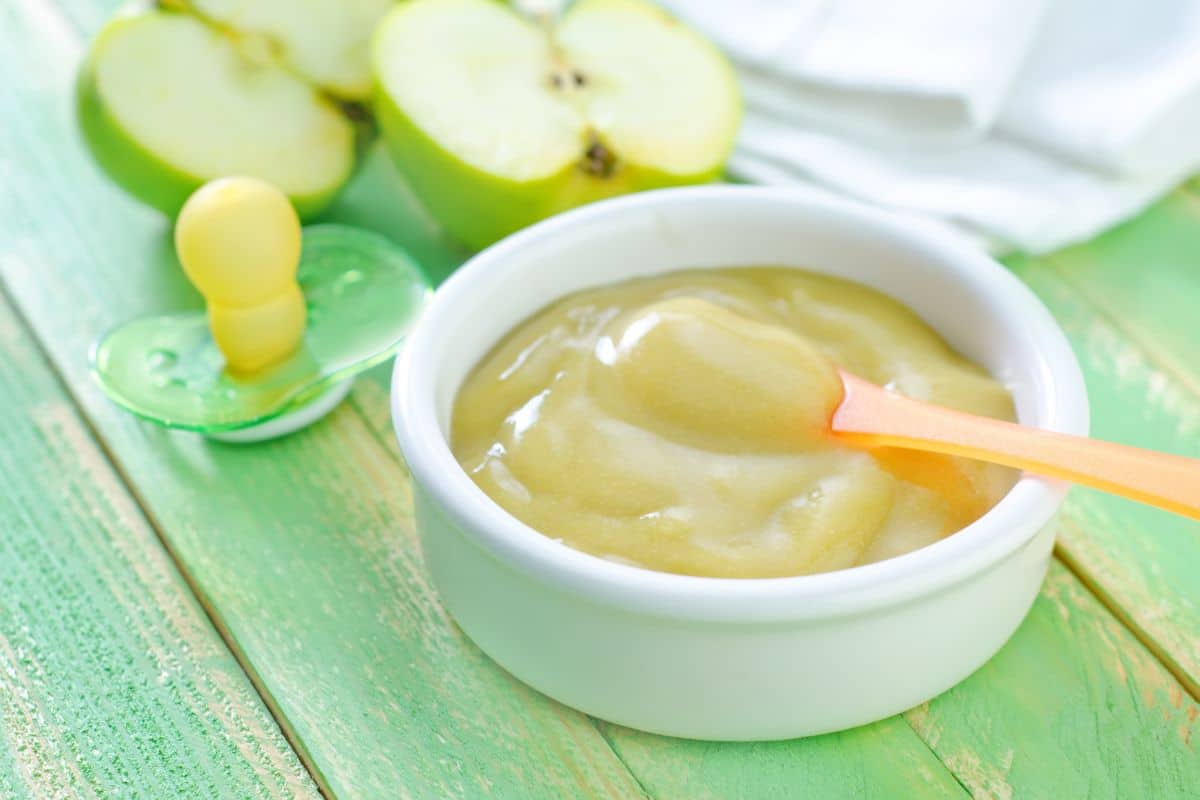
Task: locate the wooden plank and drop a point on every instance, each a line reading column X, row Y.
column 1128, row 733
column 308, row 559
column 858, row 763
column 1073, row 706
column 883, row 760
column 1127, row 303
column 1073, row 703
column 303, row 546
column 1115, row 719
column 112, row 681
column 369, row 577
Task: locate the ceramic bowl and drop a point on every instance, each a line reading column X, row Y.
column 716, row 658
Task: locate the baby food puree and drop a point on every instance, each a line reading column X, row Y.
column 679, row 423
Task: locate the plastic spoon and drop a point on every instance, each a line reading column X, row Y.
column 872, row 416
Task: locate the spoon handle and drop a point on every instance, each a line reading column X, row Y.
column 871, row 416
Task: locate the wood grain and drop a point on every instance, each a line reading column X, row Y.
column 112, row 681
column 303, row 551
column 1127, row 304
column 1074, row 700
column 883, row 760
column 1073, row 706
column 303, row 548
column 860, row 763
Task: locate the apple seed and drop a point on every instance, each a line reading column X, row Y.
column 598, row 160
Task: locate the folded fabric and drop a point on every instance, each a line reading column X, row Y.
column 1113, row 85
column 1031, row 123
column 922, row 69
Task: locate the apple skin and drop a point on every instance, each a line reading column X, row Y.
column 135, row 169
column 478, row 208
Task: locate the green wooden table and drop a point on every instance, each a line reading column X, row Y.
column 180, row 618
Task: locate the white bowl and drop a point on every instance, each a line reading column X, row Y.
column 717, row 658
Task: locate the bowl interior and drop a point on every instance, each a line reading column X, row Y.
column 981, row 310
column 977, row 305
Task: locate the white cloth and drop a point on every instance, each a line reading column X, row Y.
column 1030, row 123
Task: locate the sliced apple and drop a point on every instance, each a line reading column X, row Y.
column 168, row 102
column 326, row 41
column 498, row 120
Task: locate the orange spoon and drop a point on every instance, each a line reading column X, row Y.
column 872, row 416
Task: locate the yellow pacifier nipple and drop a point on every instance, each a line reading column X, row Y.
column 239, row 242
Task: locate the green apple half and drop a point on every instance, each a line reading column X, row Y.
column 172, row 96
column 498, row 120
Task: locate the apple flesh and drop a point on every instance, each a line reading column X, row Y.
column 498, row 120
column 170, row 98
column 325, row 41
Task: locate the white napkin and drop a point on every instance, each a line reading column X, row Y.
column 1030, row 123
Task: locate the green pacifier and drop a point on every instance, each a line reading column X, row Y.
column 292, row 316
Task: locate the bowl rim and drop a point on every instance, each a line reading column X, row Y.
column 998, row 534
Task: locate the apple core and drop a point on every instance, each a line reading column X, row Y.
column 498, row 119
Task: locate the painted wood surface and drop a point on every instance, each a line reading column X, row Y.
column 1074, row 703
column 302, row 548
column 112, row 681
column 303, row 552
column 885, row 760
column 1128, row 301
column 1072, row 706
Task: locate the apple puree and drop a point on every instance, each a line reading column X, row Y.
column 677, row 423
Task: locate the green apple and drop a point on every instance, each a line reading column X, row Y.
column 170, row 97
column 498, row 119
column 326, row 41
